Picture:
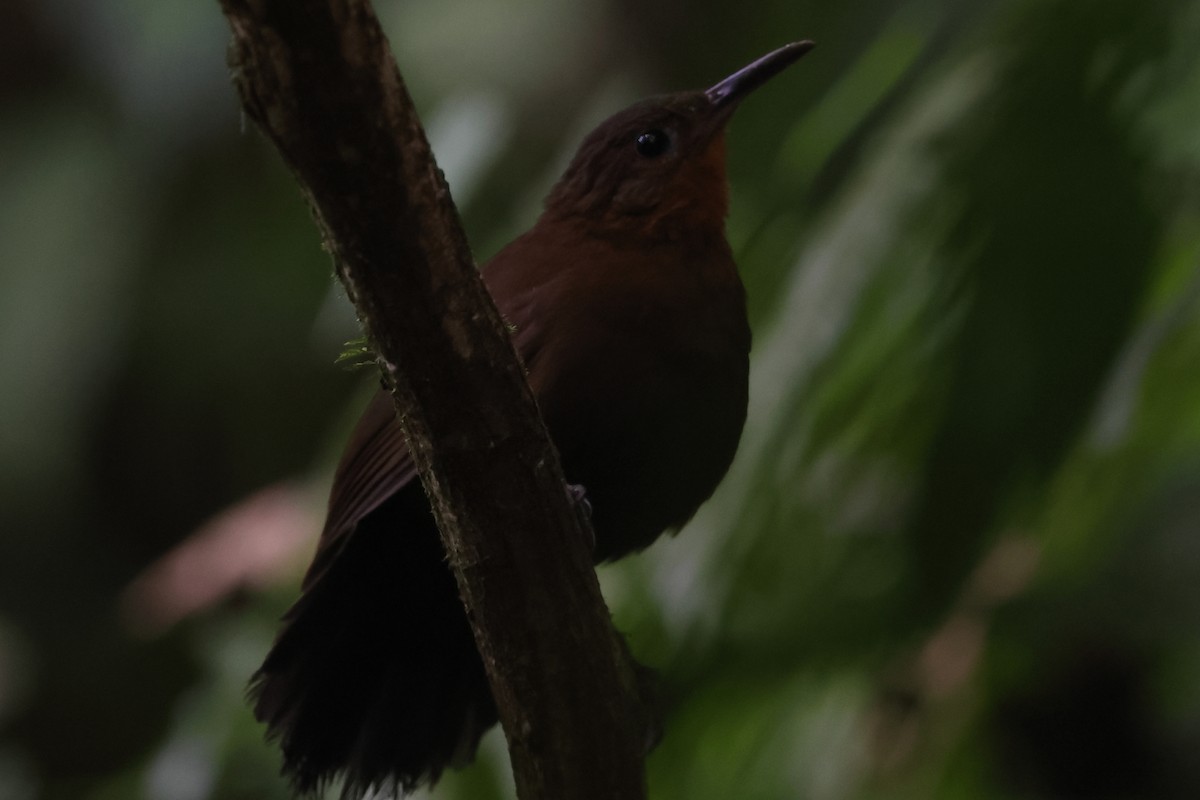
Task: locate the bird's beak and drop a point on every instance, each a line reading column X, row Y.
column 729, row 92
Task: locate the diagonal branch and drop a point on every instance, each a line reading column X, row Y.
column 318, row 78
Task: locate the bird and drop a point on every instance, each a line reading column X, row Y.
column 626, row 306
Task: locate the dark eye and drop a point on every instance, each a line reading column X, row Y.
column 652, row 143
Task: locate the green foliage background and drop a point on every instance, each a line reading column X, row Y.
column 959, row 553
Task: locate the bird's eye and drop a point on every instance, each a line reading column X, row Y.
column 652, row 143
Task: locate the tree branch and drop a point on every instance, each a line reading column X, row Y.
column 318, row 78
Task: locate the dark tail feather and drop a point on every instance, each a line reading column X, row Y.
column 375, row 674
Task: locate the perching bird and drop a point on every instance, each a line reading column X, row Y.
column 629, row 314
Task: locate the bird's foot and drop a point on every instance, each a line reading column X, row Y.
column 583, row 508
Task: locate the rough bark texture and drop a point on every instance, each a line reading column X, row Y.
column 318, row 78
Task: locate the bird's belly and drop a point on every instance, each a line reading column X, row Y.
column 649, row 432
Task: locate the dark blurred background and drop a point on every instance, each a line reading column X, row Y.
column 959, row 553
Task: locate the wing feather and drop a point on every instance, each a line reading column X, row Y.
column 375, row 465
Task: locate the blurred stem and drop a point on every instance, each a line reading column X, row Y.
column 318, row 78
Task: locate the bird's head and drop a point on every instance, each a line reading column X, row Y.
column 659, row 165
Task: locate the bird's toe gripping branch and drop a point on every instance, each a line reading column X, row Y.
column 583, row 507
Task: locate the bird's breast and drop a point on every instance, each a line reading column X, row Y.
column 640, row 369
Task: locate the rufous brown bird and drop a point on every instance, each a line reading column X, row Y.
column 627, row 309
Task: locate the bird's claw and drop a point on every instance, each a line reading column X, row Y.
column 583, row 508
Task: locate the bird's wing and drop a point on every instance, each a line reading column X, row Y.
column 375, row 465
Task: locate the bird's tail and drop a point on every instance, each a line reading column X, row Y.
column 375, row 674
